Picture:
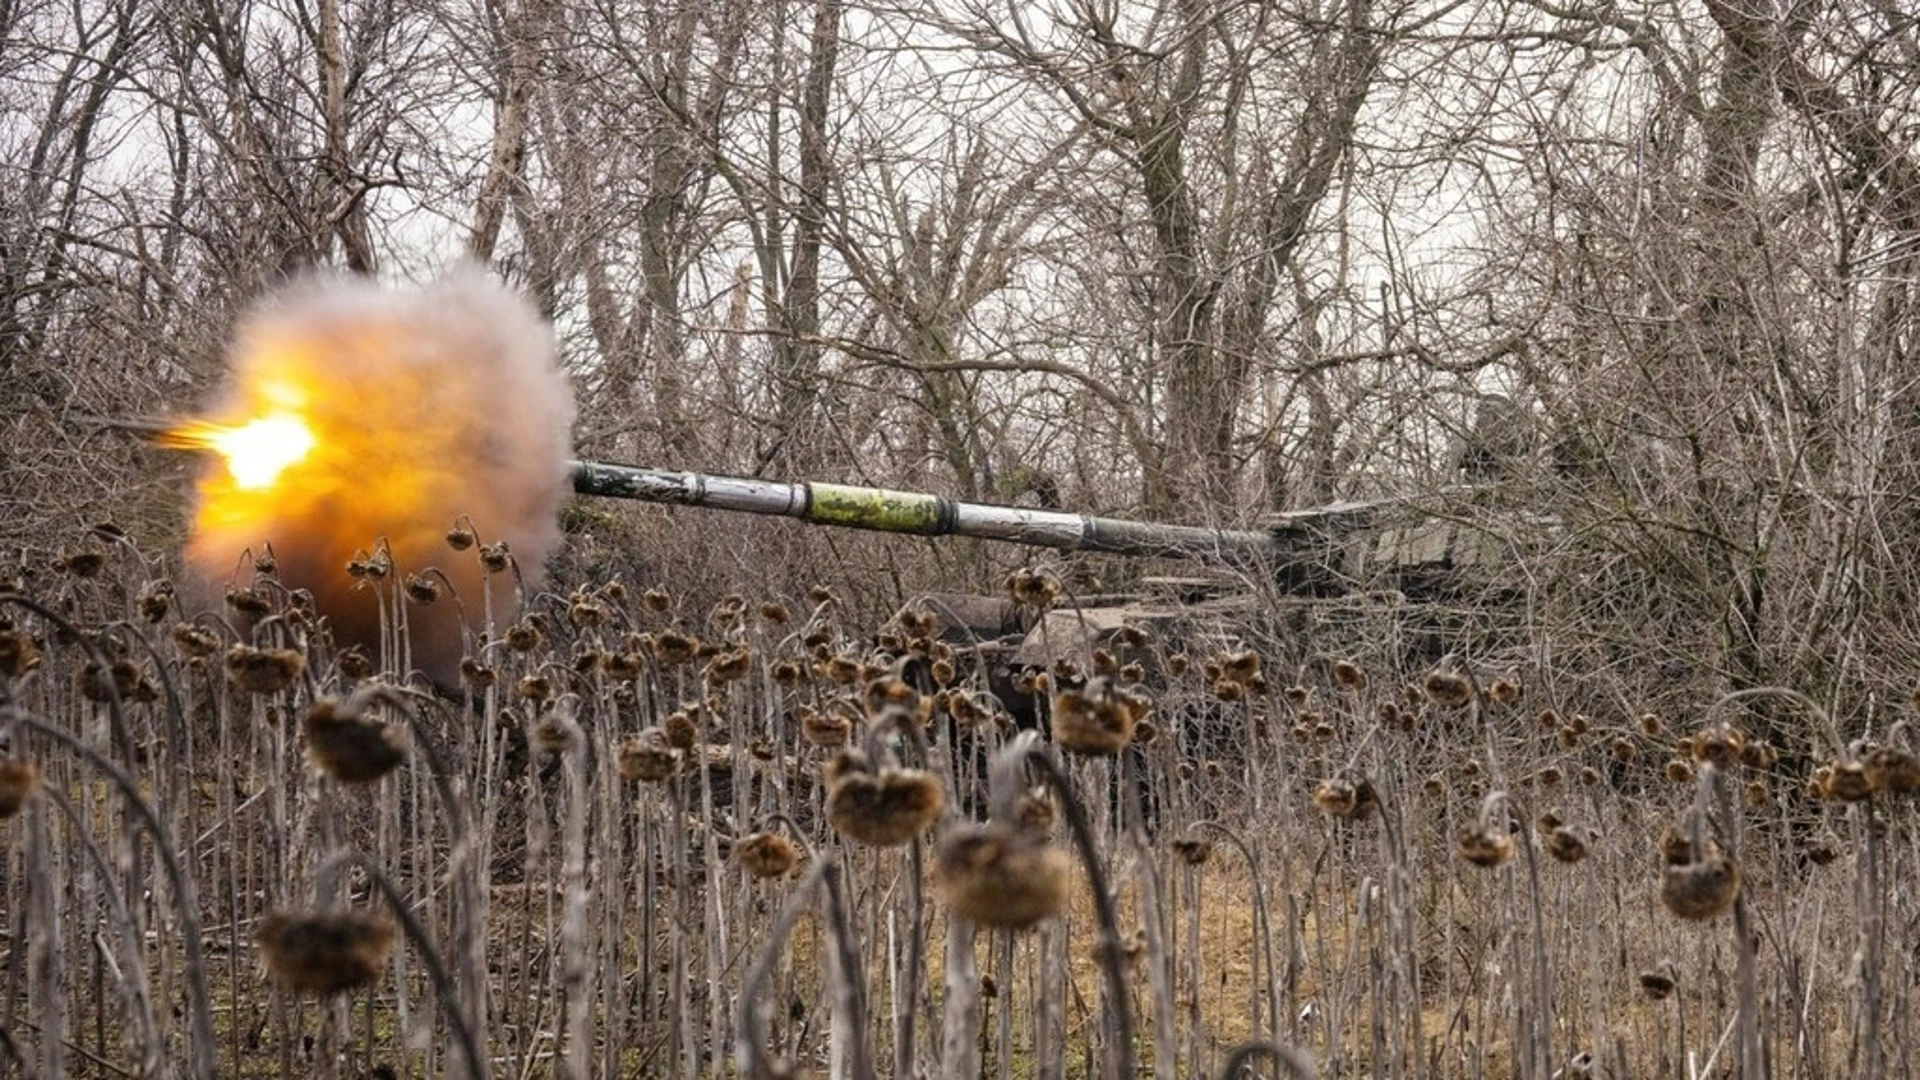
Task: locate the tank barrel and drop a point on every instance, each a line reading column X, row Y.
column 919, row 513
column 880, row 509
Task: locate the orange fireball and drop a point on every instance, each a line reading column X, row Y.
column 357, row 415
column 256, row 452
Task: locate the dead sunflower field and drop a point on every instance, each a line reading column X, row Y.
column 646, row 835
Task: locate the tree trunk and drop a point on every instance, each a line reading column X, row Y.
column 796, row 374
column 522, row 37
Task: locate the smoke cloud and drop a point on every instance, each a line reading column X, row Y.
column 423, row 405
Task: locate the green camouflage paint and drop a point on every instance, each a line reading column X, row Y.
column 875, row 508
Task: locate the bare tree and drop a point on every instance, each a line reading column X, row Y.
column 1185, row 98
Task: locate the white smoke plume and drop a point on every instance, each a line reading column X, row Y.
column 423, row 406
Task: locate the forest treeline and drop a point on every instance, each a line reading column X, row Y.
column 1640, row 276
